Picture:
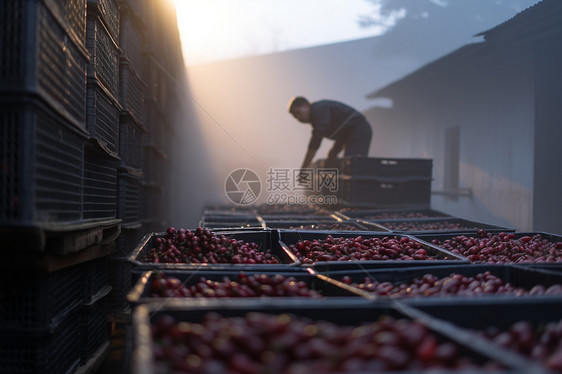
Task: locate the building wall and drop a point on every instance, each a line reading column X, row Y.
column 547, row 204
column 487, row 94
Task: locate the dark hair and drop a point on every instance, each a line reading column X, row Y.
column 297, row 101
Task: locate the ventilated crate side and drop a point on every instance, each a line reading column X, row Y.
column 128, row 201
column 109, row 12
column 100, row 184
column 61, row 68
column 132, row 92
column 94, row 329
column 131, row 38
column 386, row 167
column 42, row 157
column 121, row 278
column 366, row 191
column 153, row 202
column 39, row 54
column 131, row 143
column 155, row 120
column 72, row 13
column 104, row 55
column 103, row 116
column 36, row 301
column 50, row 352
column 155, row 166
column 95, row 278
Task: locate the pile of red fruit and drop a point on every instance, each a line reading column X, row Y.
column 543, row 344
column 285, row 343
column 454, row 284
column 359, row 249
column 425, row 225
column 503, row 248
column 245, row 286
column 203, row 246
column 330, row 226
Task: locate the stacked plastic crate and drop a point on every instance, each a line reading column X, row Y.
column 57, row 212
column 370, row 182
column 157, row 110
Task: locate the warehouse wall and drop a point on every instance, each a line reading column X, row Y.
column 488, row 96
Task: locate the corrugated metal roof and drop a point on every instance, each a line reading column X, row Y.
column 538, row 16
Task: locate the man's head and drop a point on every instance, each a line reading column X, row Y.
column 299, row 107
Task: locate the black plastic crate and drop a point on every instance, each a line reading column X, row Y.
column 349, row 314
column 153, row 201
column 104, row 54
column 141, row 292
column 49, row 352
column 36, row 300
column 131, row 143
column 129, row 238
column 42, row 154
column 286, row 209
column 429, row 237
column 517, row 276
column 440, row 257
column 131, row 92
column 108, row 10
column 265, row 239
column 241, row 219
column 374, row 192
column 390, row 214
column 94, row 326
column 42, row 54
column 102, row 119
column 128, row 198
column 226, row 225
column 121, row 279
column 323, row 225
column 100, row 183
column 131, row 36
column 495, row 313
column 95, row 279
column 156, row 120
column 155, row 165
column 446, row 225
column 299, row 217
column 386, row 167
column 158, row 84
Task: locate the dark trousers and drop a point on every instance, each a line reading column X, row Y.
column 358, row 141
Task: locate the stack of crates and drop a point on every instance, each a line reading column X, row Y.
column 381, row 183
column 84, row 98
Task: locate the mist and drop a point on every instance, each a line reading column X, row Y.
column 239, row 106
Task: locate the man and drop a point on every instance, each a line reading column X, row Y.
column 333, row 120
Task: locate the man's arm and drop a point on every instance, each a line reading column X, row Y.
column 336, row 149
column 308, row 158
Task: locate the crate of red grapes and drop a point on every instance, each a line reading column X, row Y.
column 432, row 284
column 503, row 247
column 447, row 225
column 202, row 248
column 215, row 286
column 334, row 250
column 530, row 328
column 323, row 225
column 390, row 214
column 304, row 338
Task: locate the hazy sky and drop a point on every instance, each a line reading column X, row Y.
column 220, row 29
column 214, row 30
